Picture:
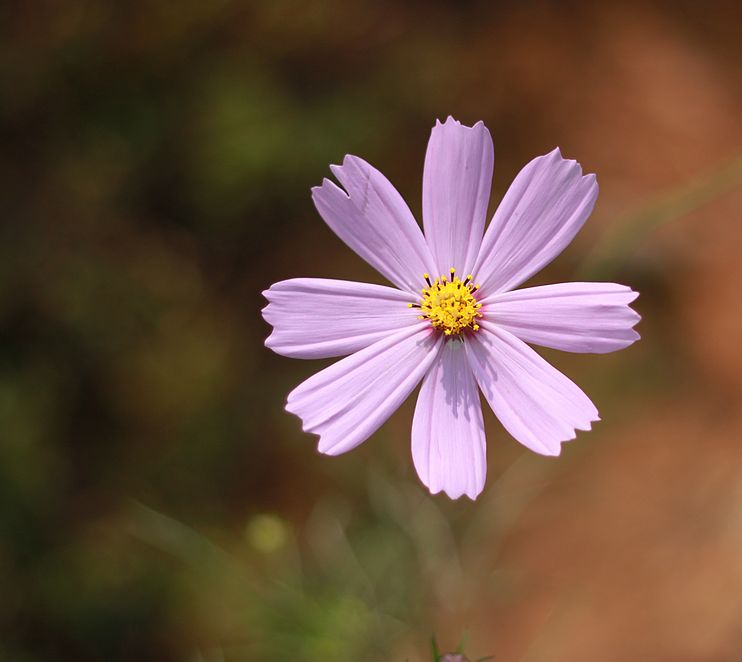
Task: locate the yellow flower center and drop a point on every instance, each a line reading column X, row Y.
column 449, row 304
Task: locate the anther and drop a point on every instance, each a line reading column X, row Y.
column 449, row 304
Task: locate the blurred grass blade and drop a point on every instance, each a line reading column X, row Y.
column 614, row 248
column 181, row 541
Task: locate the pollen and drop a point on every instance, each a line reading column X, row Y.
column 449, row 303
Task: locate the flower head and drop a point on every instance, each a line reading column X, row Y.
column 454, row 319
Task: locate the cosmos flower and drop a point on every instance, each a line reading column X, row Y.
column 453, row 319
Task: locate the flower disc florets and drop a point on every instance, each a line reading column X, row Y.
column 449, row 304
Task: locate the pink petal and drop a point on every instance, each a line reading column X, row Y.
column 373, row 220
column 315, row 318
column 574, row 317
column 535, row 402
column 448, row 444
column 541, row 212
column 456, row 190
column 348, row 401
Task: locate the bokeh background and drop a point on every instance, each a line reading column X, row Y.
column 157, row 503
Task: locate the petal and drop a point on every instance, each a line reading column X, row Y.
column 542, row 211
column 535, row 402
column 574, row 317
column 456, row 190
column 348, row 401
column 448, row 444
column 374, row 220
column 315, row 318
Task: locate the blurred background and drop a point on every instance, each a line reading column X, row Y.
column 157, row 503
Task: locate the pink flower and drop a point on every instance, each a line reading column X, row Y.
column 453, row 320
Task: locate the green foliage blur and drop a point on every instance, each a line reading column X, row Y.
column 157, row 503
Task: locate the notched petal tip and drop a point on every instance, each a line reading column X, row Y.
column 554, row 447
column 267, row 312
column 331, row 450
column 555, row 155
column 454, row 495
column 630, row 337
column 553, row 451
column 635, row 317
column 270, row 342
column 346, row 173
column 349, row 160
column 322, row 447
column 327, row 186
column 470, row 493
column 291, row 407
column 453, row 123
column 555, row 159
column 591, row 180
column 337, row 170
column 556, row 450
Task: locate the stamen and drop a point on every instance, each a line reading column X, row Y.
column 449, row 304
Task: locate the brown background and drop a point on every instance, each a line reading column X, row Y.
column 155, row 500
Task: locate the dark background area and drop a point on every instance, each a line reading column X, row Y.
column 156, row 502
